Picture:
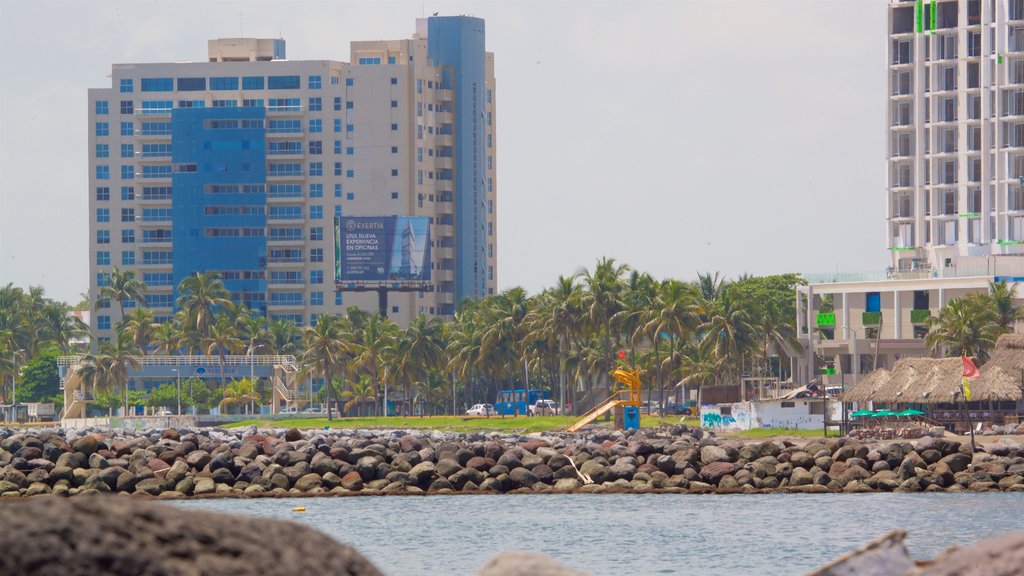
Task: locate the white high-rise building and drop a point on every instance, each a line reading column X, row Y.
column 955, row 134
column 241, row 164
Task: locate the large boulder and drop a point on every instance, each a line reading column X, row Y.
column 713, row 473
column 123, row 536
column 522, row 563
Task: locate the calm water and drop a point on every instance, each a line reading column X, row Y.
column 639, row 534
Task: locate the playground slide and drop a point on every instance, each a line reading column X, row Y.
column 594, row 414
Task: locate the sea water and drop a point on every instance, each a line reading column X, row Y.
column 638, row 534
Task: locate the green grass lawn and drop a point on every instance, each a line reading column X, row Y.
column 454, row 423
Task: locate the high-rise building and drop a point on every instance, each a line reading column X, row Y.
column 240, row 165
column 955, row 133
column 954, row 130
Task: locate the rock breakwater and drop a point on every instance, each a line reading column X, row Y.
column 286, row 463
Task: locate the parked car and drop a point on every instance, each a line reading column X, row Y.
column 677, row 409
column 544, row 408
column 481, row 410
column 289, row 410
column 313, row 410
column 165, row 412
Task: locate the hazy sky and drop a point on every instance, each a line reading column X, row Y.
column 675, row 136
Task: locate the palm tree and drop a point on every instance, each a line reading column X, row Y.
column 504, row 335
column 676, row 314
column 283, row 337
column 199, row 296
column 371, row 346
column 602, row 299
column 107, row 372
column 239, row 393
column 966, row 326
column 419, row 349
column 59, row 326
column 122, row 285
column 139, row 325
column 362, row 393
column 728, row 329
column 222, row 339
column 167, row 338
column 1003, row 297
column 325, row 350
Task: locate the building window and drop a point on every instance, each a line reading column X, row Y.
column 394, row 127
column 102, row 129
column 349, row 82
column 316, row 168
column 316, row 190
column 103, row 215
column 337, row 190
column 316, row 147
column 394, row 195
column 350, row 105
column 157, row 84
column 252, row 83
column 394, row 81
column 394, row 171
column 127, row 107
column 126, row 86
column 127, row 129
column 128, row 258
column 127, row 172
column 225, row 103
column 316, row 254
column 218, row 83
column 103, row 236
column 313, row 83
column 103, row 258
column 337, row 168
column 337, row 146
column 315, row 104
column 316, row 233
column 316, row 212
column 337, row 102
column 337, row 124
column 102, row 172
column 127, row 236
column 102, row 107
column 282, row 82
column 127, row 214
column 316, row 125
column 103, row 150
column 337, row 211
column 103, row 322
column 350, row 173
column 127, row 150
column 350, row 196
column 316, row 276
column 392, row 60
column 102, row 193
column 873, row 302
column 316, row 299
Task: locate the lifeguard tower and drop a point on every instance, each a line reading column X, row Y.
column 628, row 398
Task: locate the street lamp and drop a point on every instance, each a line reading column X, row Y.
column 177, row 375
column 14, row 384
column 252, row 379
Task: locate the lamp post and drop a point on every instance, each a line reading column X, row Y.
column 14, row 384
column 177, row 375
column 252, row 379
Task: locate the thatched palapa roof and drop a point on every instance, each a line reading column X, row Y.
column 1008, row 355
column 933, row 381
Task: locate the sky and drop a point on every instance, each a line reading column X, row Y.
column 678, row 137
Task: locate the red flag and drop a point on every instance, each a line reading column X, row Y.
column 970, row 370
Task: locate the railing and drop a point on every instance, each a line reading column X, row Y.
column 1010, row 267
column 284, row 360
column 283, row 390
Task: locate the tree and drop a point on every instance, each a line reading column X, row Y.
column 166, row 396
column 1003, row 299
column 222, row 339
column 139, row 326
column 602, row 299
column 59, row 326
column 966, row 326
column 121, row 285
column 371, row 346
column 238, row 394
column 325, row 351
column 39, row 379
column 199, row 296
column 362, row 393
column 728, row 330
column 419, row 349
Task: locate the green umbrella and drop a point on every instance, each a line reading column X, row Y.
column 910, row 412
column 883, row 413
column 861, row 413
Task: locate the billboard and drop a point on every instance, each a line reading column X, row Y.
column 381, row 248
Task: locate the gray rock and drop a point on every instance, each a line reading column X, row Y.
column 308, row 482
column 522, row 563
column 136, row 537
column 709, row 454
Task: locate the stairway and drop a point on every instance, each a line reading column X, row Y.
column 75, row 398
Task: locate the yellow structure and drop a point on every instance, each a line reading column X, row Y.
column 630, row 396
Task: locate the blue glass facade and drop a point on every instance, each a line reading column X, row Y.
column 456, row 44
column 219, row 185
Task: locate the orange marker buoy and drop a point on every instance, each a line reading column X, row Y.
column 298, row 509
